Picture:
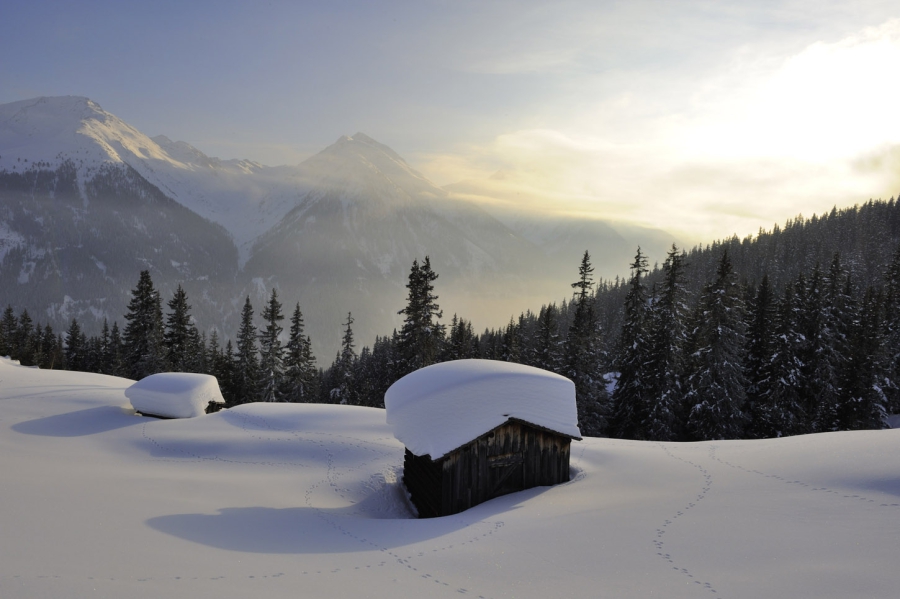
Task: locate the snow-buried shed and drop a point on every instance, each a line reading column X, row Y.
column 175, row 395
column 478, row 429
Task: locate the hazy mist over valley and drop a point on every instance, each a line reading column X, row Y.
column 83, row 190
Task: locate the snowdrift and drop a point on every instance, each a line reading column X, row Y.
column 288, row 500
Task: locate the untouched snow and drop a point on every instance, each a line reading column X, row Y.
column 436, row 409
column 285, row 501
column 174, row 394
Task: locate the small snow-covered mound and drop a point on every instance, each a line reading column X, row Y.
column 441, row 407
column 175, row 394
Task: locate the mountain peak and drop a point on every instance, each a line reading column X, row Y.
column 46, row 116
column 362, row 146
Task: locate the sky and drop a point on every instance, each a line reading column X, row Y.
column 703, row 118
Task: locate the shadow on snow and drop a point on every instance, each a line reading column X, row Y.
column 79, row 423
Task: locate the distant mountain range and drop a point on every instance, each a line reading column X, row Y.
column 87, row 201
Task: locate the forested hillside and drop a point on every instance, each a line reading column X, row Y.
column 794, row 330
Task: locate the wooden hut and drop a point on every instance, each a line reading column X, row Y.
column 479, row 429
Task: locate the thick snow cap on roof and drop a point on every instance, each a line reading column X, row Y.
column 174, row 394
column 441, row 407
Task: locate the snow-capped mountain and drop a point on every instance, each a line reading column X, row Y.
column 244, row 197
column 87, row 201
column 364, row 217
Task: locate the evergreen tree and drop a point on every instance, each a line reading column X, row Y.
column 891, row 333
column 7, row 331
column 862, row 402
column 75, row 347
column 38, row 357
column 716, row 387
column 380, row 369
column 23, row 339
column 421, row 336
column 114, row 361
column 53, row 349
column 301, row 378
column 342, row 389
column 104, row 358
column 822, row 352
column 632, row 394
column 512, row 342
column 213, row 353
column 462, row 342
column 271, row 361
column 181, row 336
column 93, row 353
column 143, row 343
column 246, row 365
column 760, row 340
column 225, row 371
column 547, row 350
column 583, row 356
column 666, row 359
column 779, row 409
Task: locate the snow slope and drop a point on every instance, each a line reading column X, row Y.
column 303, row 500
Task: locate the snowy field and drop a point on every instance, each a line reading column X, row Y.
column 303, row 501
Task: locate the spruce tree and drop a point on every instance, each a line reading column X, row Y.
column 7, row 331
column 716, row 387
column 301, row 378
column 547, row 351
column 143, row 343
column 246, row 363
column 632, row 394
column 512, row 342
column 24, row 339
column 421, row 336
column 342, row 389
column 104, row 359
column 225, row 371
column 181, row 337
column 75, row 347
column 271, row 353
column 114, row 357
column 665, row 362
column 891, row 333
column 862, row 402
column 583, row 356
column 779, row 409
column 381, row 370
column 213, row 353
column 760, row 339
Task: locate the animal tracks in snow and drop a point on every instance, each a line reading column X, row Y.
column 800, row 483
column 338, row 457
column 659, row 541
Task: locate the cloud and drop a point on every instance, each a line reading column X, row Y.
column 831, row 100
column 766, row 135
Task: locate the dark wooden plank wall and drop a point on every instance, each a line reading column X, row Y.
column 512, row 457
column 422, row 478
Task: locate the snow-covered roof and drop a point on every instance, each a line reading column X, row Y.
column 439, row 408
column 174, row 394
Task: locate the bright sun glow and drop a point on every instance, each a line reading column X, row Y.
column 761, row 139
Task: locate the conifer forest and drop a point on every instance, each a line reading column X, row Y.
column 795, row 330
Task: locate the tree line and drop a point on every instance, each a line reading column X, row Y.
column 689, row 350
